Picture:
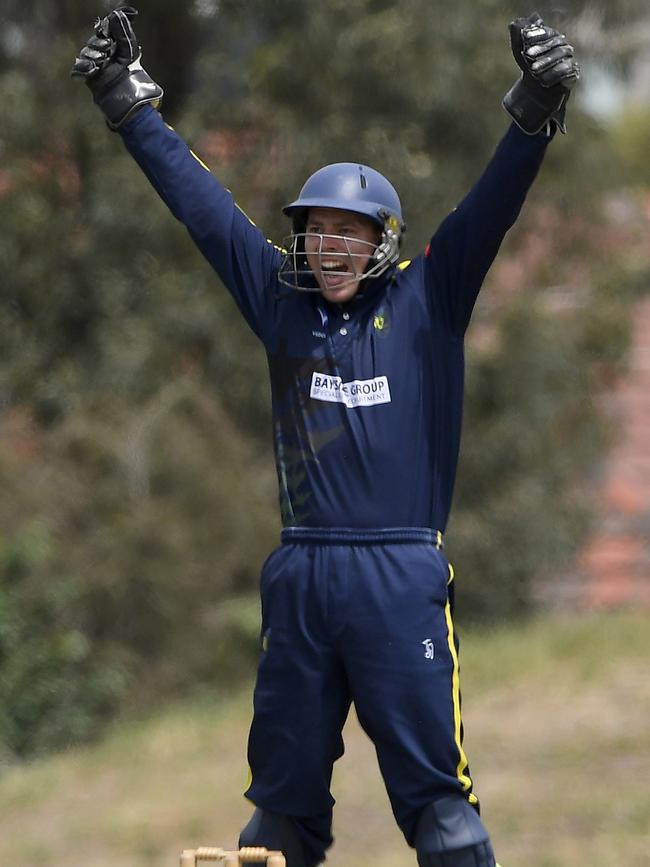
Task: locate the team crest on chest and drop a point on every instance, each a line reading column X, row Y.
column 381, row 322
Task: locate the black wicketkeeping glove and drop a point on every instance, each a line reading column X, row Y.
column 549, row 72
column 110, row 65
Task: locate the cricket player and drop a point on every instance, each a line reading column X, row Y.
column 365, row 356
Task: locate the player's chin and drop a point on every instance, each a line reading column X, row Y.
column 339, row 294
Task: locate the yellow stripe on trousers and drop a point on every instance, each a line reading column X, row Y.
column 463, row 764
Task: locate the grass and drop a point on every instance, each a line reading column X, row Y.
column 556, row 713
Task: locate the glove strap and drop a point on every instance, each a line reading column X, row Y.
column 120, row 93
column 533, row 108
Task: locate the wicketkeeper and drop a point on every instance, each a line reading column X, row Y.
column 366, row 365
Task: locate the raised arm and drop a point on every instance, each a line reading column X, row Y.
column 466, row 243
column 237, row 250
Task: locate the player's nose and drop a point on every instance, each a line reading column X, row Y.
column 333, row 244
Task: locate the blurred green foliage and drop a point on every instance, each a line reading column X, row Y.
column 631, row 135
column 138, row 492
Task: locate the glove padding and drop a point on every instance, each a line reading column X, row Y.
column 110, row 65
column 549, row 72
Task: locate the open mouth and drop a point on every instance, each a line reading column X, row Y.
column 335, row 274
column 331, row 267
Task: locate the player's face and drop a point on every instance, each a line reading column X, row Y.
column 339, row 245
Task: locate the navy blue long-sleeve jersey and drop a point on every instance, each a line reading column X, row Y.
column 367, row 396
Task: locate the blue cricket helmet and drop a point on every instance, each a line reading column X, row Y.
column 348, row 187
column 351, row 187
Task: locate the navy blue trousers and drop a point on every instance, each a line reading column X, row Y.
column 363, row 622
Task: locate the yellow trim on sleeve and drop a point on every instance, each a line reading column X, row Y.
column 241, row 210
column 200, row 161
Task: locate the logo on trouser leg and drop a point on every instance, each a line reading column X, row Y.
column 429, row 651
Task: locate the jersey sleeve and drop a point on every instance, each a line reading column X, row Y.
column 464, row 246
column 237, row 250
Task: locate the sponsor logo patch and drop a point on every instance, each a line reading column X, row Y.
column 358, row 392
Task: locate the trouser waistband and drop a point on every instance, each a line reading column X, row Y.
column 362, row 536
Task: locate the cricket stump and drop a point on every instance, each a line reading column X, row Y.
column 192, row 857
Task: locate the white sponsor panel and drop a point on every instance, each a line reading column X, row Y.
column 358, row 392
